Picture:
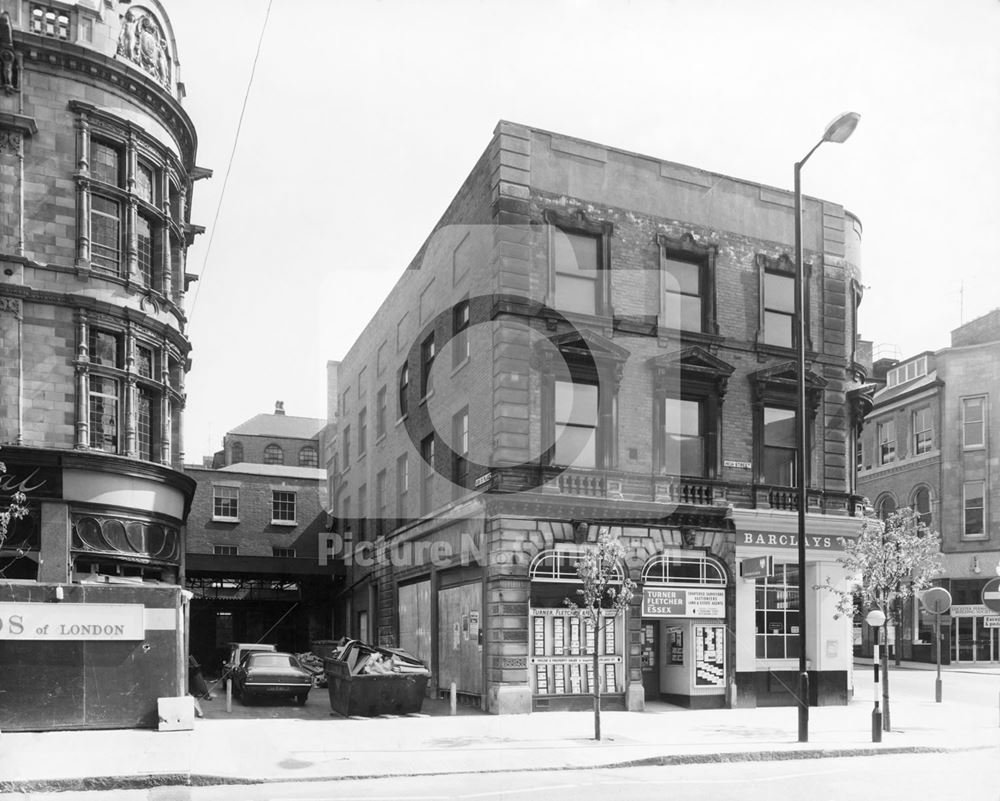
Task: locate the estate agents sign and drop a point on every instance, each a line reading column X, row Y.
column 59, row 621
column 683, row 602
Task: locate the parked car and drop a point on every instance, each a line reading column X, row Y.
column 271, row 673
column 237, row 650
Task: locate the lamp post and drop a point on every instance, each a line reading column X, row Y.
column 837, row 131
column 875, row 618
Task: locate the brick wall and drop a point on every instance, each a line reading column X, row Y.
column 254, row 534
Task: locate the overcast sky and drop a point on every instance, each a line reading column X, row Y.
column 364, row 117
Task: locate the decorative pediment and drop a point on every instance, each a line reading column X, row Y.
column 782, row 379
column 692, row 363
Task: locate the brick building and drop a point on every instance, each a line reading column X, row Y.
column 97, row 165
column 932, row 443
column 589, row 339
column 254, row 533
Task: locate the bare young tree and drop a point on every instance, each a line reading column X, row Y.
column 605, row 592
column 889, row 562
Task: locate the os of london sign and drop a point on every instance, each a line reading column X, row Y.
column 683, row 602
column 59, row 621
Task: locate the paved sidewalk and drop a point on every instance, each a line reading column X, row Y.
column 242, row 751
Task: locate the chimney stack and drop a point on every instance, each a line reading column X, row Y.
column 279, row 407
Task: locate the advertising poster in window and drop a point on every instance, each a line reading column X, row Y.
column 574, row 635
column 609, row 635
column 588, row 630
column 558, row 637
column 709, row 656
column 590, row 678
column 675, row 642
column 541, row 679
column 539, row 635
column 559, row 679
column 609, row 678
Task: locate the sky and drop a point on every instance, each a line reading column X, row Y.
column 364, row 117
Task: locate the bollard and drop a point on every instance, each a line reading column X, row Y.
column 229, row 695
column 454, row 699
column 876, row 712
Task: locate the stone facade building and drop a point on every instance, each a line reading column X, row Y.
column 594, row 339
column 97, row 166
column 255, row 533
column 932, row 443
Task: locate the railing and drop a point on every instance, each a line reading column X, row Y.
column 625, row 486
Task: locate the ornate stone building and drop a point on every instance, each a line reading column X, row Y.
column 594, row 339
column 97, row 165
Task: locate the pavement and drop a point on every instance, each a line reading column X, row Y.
column 312, row 744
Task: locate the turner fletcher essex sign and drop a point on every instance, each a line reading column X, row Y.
column 58, row 621
column 683, row 602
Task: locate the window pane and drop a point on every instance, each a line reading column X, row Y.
column 103, row 348
column 575, row 446
column 144, row 244
column 778, row 329
column 104, row 163
column 574, row 294
column 144, row 183
column 574, row 252
column 576, row 403
column 779, row 466
column 779, row 427
column 681, row 276
column 779, row 293
column 690, row 313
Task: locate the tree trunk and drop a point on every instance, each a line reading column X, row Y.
column 597, row 687
column 885, row 681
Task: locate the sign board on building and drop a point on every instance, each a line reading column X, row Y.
column 485, row 478
column 991, row 594
column 757, row 567
column 765, row 539
column 969, row 610
column 59, row 621
column 736, row 464
column 683, row 602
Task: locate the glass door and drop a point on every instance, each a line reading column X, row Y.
column 964, row 643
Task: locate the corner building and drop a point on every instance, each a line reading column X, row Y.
column 931, row 444
column 97, row 163
column 589, row 339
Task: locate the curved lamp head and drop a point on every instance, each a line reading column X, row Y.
column 842, row 127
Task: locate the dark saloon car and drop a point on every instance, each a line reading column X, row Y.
column 268, row 674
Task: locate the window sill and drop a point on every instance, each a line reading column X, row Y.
column 426, row 398
column 401, row 420
column 225, row 519
column 286, row 523
column 458, row 367
column 380, row 439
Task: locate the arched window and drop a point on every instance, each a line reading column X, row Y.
column 308, row 457
column 885, row 506
column 922, row 505
column 273, row 454
column 236, row 453
column 673, row 569
column 561, row 566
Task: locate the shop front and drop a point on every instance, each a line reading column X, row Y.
column 768, row 637
column 684, row 630
column 562, row 643
column 975, row 633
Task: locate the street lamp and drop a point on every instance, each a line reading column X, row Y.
column 837, row 131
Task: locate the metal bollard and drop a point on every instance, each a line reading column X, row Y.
column 454, row 699
column 229, row 695
column 876, row 712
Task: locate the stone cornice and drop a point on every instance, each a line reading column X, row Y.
column 69, row 300
column 43, row 53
